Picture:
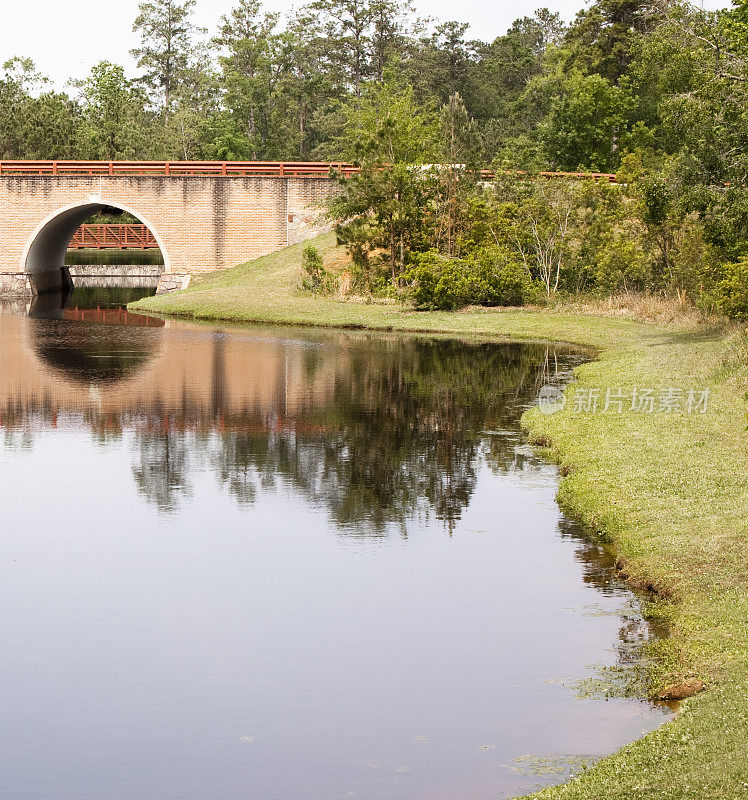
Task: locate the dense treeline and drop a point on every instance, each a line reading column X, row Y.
column 655, row 91
column 268, row 87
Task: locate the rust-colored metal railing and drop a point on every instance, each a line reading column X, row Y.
column 306, row 169
column 605, row 177
column 115, row 237
column 233, row 169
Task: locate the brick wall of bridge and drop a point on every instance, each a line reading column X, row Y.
column 203, row 223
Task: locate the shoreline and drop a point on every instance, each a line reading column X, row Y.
column 668, row 492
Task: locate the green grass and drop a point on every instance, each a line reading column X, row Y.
column 265, row 290
column 670, row 491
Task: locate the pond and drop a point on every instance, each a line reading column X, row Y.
column 281, row 564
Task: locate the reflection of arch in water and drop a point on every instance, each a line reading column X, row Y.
column 44, row 254
column 86, row 352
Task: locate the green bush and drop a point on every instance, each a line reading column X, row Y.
column 621, row 264
column 493, row 279
column 317, row 279
column 436, row 282
column 733, row 290
column 486, row 278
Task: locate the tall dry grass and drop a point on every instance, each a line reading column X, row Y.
column 643, row 307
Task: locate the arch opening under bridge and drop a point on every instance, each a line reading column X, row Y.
column 43, row 258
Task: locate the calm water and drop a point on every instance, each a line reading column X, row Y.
column 260, row 564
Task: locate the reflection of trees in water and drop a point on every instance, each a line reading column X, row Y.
column 161, row 468
column 397, row 431
column 368, row 486
column 18, row 439
column 596, row 557
column 400, row 434
column 21, row 419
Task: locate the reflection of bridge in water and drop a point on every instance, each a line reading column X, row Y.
column 149, row 370
column 111, row 316
column 109, row 363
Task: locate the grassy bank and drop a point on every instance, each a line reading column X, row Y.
column 266, row 290
column 669, row 490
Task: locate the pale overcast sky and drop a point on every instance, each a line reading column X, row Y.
column 66, row 38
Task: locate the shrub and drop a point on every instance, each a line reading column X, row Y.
column 436, row 282
column 486, row 278
column 733, row 290
column 493, row 279
column 317, row 279
column 621, row 263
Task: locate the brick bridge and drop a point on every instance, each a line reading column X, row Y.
column 203, row 215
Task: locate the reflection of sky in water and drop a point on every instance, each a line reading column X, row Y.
column 339, row 585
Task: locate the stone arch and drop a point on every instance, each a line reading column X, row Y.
column 43, row 258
